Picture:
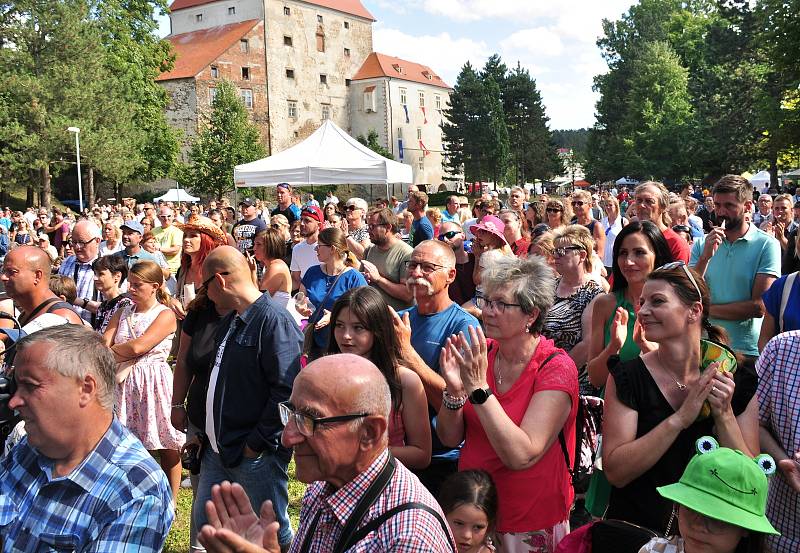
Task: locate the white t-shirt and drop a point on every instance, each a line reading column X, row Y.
column 304, row 256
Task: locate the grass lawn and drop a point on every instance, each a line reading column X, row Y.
column 178, row 538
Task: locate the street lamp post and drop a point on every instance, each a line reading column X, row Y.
column 77, row 132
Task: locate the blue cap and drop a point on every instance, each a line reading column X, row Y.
column 134, row 226
column 14, row 334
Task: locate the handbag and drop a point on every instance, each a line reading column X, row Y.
column 308, row 331
column 124, row 368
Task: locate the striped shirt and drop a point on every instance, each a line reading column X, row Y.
column 117, row 499
column 83, row 275
column 411, row 531
column 779, row 411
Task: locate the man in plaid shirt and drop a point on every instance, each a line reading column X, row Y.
column 79, row 481
column 779, row 410
column 336, row 420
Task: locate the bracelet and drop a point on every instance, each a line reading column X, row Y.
column 452, row 402
column 181, row 405
column 85, row 302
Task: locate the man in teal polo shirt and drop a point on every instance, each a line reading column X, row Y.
column 739, row 263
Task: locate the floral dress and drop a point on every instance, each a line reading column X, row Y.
column 144, row 398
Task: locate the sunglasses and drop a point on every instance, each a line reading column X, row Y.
column 682, row 265
column 449, row 235
column 352, row 207
column 578, row 203
column 561, row 252
column 553, row 210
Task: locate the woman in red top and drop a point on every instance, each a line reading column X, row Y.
column 523, row 392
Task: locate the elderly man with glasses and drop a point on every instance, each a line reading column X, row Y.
column 85, row 243
column 422, row 331
column 359, row 497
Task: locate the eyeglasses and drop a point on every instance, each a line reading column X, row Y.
column 449, row 235
column 561, row 252
column 371, row 227
column 682, row 265
column 495, row 305
column 307, row 424
column 424, row 266
column 81, row 244
column 207, row 281
column 711, row 525
column 577, row 203
column 554, row 210
column 352, row 207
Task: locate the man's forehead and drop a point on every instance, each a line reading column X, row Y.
column 426, row 253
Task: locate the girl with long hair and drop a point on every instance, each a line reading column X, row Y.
column 362, row 325
column 142, row 334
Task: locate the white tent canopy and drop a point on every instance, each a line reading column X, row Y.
column 625, row 181
column 176, row 195
column 328, row 156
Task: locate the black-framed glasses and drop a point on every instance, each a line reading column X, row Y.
column 496, row 305
column 449, row 235
column 561, row 252
column 426, row 267
column 81, row 243
column 379, row 225
column 682, row 265
column 306, row 424
column 554, row 210
column 207, row 281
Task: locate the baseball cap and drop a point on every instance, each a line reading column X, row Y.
column 314, row 212
column 135, row 226
column 248, row 201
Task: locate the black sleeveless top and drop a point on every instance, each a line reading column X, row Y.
column 639, row 502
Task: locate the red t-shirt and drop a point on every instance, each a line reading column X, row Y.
column 678, row 246
column 540, row 496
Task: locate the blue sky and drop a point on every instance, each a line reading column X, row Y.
column 554, row 40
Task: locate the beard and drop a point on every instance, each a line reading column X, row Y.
column 731, row 223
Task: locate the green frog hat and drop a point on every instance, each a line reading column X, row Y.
column 726, row 485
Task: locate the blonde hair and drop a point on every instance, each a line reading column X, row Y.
column 150, row 272
column 434, row 216
column 577, row 235
column 335, row 238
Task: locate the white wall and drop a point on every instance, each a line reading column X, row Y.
column 215, row 14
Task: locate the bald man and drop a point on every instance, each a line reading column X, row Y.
column 258, row 356
column 336, row 421
column 85, row 242
column 26, row 277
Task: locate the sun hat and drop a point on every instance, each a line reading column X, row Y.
column 725, row 484
column 206, row 226
column 491, row 224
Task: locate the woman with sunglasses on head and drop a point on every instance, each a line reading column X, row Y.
column 324, row 283
column 509, row 397
column 362, row 325
column 659, row 404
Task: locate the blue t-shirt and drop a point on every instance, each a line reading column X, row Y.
column 772, row 303
column 731, row 274
column 421, row 230
column 428, row 333
column 317, row 284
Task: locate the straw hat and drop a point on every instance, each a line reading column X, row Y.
column 206, row 226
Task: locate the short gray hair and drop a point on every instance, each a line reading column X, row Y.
column 530, row 280
column 77, row 352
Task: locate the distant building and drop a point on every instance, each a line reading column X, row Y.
column 403, row 101
column 296, row 63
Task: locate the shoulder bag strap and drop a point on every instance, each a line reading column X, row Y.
column 367, row 500
column 317, row 314
column 787, row 290
column 35, row 311
column 376, row 523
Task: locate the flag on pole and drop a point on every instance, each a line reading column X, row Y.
column 405, row 108
column 424, row 115
column 425, row 151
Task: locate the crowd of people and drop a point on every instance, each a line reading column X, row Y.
column 430, row 371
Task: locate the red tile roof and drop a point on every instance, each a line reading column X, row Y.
column 353, row 7
column 381, row 65
column 196, row 50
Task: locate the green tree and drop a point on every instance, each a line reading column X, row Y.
column 372, row 142
column 493, row 137
column 229, row 139
column 462, row 124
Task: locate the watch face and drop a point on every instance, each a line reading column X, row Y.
column 480, row 396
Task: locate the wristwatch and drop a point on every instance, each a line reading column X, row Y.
column 479, row 396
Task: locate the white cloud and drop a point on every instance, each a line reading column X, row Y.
column 443, row 53
column 539, row 41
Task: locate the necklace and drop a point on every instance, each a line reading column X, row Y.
column 678, row 384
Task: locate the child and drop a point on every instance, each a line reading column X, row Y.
column 469, row 502
column 721, row 500
column 64, row 287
